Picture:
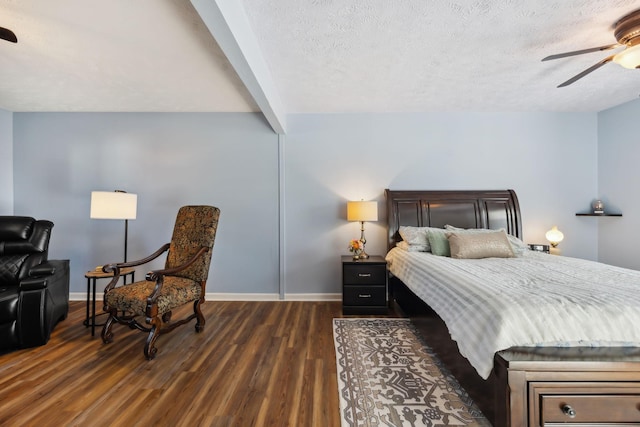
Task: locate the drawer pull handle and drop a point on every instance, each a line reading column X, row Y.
column 364, row 275
column 364, row 295
column 568, row 410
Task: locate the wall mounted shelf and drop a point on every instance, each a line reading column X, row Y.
column 595, row 214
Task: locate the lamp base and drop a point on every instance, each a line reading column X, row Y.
column 361, row 255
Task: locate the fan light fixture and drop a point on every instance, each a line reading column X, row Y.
column 627, row 34
column 629, row 58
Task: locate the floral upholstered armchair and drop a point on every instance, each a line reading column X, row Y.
column 182, row 281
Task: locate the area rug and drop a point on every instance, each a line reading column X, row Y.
column 387, row 376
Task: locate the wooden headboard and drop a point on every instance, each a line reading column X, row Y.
column 465, row 208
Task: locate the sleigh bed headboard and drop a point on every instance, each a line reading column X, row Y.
column 464, row 208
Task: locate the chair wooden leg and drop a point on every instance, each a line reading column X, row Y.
column 200, row 321
column 107, row 335
column 149, row 349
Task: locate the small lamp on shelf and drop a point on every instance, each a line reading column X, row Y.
column 362, row 211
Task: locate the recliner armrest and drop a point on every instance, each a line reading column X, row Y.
column 33, row 284
column 44, row 269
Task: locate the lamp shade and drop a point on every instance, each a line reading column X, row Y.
column 113, row 205
column 629, row 58
column 554, row 236
column 362, row 211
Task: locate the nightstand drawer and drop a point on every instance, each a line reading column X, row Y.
column 364, row 274
column 364, row 295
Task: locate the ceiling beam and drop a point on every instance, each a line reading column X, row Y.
column 228, row 24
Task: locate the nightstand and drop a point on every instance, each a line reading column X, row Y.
column 364, row 285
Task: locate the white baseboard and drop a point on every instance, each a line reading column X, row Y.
column 313, row 297
column 82, row 296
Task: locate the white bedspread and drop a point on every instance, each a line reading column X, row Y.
column 495, row 303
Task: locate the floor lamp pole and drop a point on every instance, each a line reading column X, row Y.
column 126, row 232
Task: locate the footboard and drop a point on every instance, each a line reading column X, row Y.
column 568, row 386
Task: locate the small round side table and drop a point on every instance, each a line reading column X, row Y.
column 92, row 276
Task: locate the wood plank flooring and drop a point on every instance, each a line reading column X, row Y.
column 255, row 364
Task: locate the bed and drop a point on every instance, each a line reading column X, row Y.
column 553, row 383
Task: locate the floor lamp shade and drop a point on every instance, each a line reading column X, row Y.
column 113, row 205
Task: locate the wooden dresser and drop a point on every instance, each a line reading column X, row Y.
column 569, row 387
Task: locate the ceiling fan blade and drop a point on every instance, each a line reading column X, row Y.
column 580, row 52
column 587, row 71
column 8, row 35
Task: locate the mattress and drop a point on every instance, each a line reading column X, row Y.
column 538, row 299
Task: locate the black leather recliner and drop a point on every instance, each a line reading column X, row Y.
column 34, row 291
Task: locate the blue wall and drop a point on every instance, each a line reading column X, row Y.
column 232, row 161
column 549, row 159
column 618, row 179
column 169, row 160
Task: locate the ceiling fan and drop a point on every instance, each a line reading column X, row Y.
column 8, row 35
column 627, row 33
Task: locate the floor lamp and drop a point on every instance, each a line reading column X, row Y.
column 115, row 205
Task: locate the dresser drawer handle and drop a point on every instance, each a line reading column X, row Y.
column 364, row 275
column 364, row 295
column 568, row 410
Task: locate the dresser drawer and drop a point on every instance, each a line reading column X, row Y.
column 589, row 402
column 364, row 274
column 590, row 408
column 354, row 295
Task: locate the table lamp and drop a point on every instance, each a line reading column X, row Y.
column 362, row 211
column 554, row 236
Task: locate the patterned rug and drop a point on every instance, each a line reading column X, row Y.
column 387, row 376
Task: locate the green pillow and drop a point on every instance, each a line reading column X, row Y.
column 439, row 242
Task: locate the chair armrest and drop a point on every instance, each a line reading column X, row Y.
column 153, row 275
column 33, row 284
column 37, row 277
column 158, row 277
column 115, row 267
column 44, row 269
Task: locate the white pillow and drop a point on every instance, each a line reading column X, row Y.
column 412, row 248
column 415, row 236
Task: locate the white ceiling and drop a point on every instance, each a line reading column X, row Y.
column 307, row 56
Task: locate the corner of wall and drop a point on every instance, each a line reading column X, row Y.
column 6, row 162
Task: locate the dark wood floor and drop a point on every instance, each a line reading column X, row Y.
column 256, row 364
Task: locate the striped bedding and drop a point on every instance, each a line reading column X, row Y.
column 492, row 304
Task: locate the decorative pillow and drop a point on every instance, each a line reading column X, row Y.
column 439, row 242
column 412, row 248
column 479, row 245
column 415, row 236
column 517, row 246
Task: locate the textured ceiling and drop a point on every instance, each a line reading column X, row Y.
column 322, row 56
